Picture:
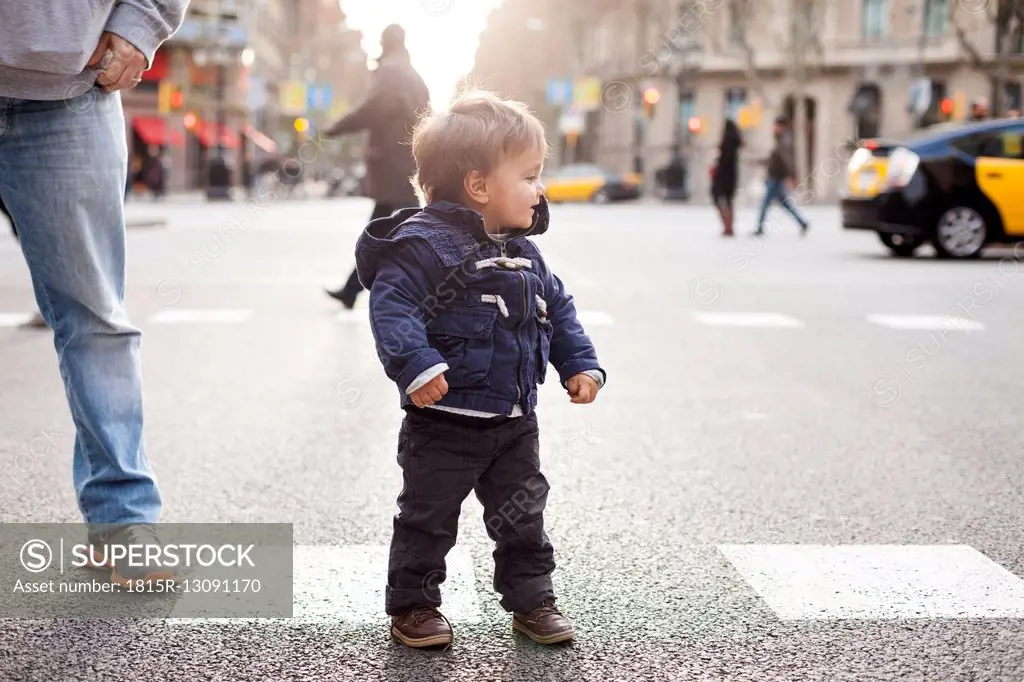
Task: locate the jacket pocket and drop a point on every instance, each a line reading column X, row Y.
column 465, row 340
column 54, row 36
column 544, row 333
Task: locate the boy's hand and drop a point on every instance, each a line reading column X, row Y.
column 431, row 392
column 582, row 389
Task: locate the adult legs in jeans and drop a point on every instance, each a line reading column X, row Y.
column 775, row 191
column 350, row 291
column 62, row 176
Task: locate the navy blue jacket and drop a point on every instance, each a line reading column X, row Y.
column 443, row 291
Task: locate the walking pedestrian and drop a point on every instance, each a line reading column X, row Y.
column 726, row 174
column 467, row 366
column 63, row 160
column 781, row 177
column 397, row 99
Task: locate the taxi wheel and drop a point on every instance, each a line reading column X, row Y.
column 960, row 232
column 901, row 245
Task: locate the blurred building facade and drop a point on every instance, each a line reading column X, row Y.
column 672, row 71
column 238, row 75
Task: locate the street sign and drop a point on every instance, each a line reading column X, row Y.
column 572, row 122
column 293, row 98
column 319, row 97
column 559, row 91
column 586, row 94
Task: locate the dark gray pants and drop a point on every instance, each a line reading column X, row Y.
column 443, row 458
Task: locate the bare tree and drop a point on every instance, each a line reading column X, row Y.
column 1003, row 21
column 799, row 34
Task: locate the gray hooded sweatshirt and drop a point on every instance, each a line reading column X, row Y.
column 45, row 44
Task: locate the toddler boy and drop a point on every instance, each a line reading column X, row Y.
column 466, row 317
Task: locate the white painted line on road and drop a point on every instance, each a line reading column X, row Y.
column 345, row 583
column 354, row 316
column 833, row 582
column 748, row 320
column 926, row 322
column 594, row 318
column 200, row 315
column 14, row 319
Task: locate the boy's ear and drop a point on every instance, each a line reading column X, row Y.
column 475, row 186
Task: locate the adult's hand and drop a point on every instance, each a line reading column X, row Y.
column 121, row 63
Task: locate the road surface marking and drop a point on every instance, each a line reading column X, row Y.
column 354, row 316
column 594, row 318
column 926, row 322
column 346, row 583
column 197, row 315
column 833, row 582
column 748, row 320
column 14, row 319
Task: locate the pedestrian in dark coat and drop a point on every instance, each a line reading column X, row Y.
column 397, row 99
column 726, row 174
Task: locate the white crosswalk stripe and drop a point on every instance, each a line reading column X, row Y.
column 14, row 319
column 591, row 318
column 594, row 318
column 815, row 582
column 345, row 584
column 739, row 319
column 198, row 315
column 926, row 322
column 354, row 316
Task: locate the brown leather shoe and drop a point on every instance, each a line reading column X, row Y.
column 420, row 627
column 544, row 625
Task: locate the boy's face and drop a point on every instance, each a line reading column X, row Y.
column 513, row 189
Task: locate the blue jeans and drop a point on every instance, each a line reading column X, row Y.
column 62, row 175
column 775, row 192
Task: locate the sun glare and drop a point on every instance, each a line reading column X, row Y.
column 441, row 35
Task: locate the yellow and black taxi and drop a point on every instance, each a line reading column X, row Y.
column 590, row 182
column 955, row 186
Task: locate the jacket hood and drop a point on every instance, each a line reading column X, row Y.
column 383, row 233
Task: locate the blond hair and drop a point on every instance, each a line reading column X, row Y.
column 477, row 131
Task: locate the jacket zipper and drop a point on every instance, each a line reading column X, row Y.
column 519, row 345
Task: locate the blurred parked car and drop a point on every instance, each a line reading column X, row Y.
column 956, row 186
column 590, row 182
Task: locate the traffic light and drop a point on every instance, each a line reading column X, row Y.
column 694, row 125
column 651, row 96
column 301, row 124
column 170, row 98
column 190, row 120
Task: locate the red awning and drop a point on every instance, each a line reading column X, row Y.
column 207, row 132
column 261, row 140
column 154, row 130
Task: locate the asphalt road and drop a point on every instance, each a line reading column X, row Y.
column 780, row 481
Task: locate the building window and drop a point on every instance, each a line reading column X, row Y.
column 737, row 28
column 687, row 108
column 866, row 108
column 873, row 18
column 735, row 98
column 936, row 18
